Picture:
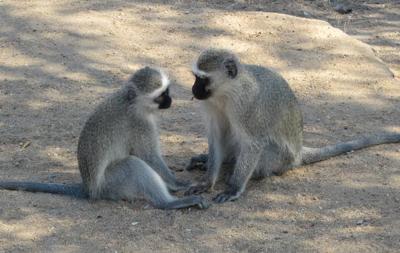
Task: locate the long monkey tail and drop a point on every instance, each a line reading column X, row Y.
column 312, row 155
column 74, row 190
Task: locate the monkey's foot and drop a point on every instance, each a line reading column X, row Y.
column 228, row 195
column 198, row 162
column 198, row 189
column 186, row 202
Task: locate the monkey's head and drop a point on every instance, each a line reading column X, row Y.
column 214, row 69
column 152, row 86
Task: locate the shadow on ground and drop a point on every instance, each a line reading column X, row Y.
column 58, row 61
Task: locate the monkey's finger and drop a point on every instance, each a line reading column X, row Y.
column 204, row 204
column 197, row 189
column 225, row 196
column 221, row 198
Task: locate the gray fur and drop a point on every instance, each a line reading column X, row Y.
column 118, row 152
column 75, row 190
column 312, row 155
column 255, row 119
column 146, row 80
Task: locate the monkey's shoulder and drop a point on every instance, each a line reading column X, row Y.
column 265, row 75
column 108, row 117
column 270, row 83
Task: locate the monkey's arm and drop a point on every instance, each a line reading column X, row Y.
column 159, row 165
column 214, row 162
column 244, row 168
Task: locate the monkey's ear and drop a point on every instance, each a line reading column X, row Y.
column 230, row 66
column 131, row 94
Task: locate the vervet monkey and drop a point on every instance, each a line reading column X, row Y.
column 118, row 152
column 254, row 120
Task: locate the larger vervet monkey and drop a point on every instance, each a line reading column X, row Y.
column 118, row 151
column 254, row 120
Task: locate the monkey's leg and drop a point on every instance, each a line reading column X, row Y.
column 132, row 178
column 173, row 184
column 244, row 168
column 274, row 160
column 198, row 162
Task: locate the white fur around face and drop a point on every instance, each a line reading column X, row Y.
column 199, row 72
column 164, row 85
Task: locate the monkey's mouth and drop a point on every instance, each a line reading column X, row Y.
column 165, row 104
column 201, row 95
column 200, row 88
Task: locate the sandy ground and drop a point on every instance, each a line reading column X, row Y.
column 59, row 58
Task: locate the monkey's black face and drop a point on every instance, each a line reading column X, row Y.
column 199, row 88
column 164, row 100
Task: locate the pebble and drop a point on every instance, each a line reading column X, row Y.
column 343, row 9
column 361, row 222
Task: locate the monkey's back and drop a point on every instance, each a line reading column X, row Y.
column 102, row 139
column 276, row 108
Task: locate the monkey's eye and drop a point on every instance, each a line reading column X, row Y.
column 164, row 100
column 203, row 81
column 160, row 98
column 166, row 92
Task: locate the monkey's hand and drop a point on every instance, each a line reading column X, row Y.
column 198, row 189
column 229, row 195
column 203, row 203
column 198, row 162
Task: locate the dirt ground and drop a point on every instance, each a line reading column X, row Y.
column 59, row 58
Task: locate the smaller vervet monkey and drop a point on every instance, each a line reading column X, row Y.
column 118, row 152
column 254, row 121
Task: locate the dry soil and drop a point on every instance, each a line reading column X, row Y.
column 59, row 58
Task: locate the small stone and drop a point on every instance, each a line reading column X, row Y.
column 360, row 222
column 343, row 9
column 25, row 144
